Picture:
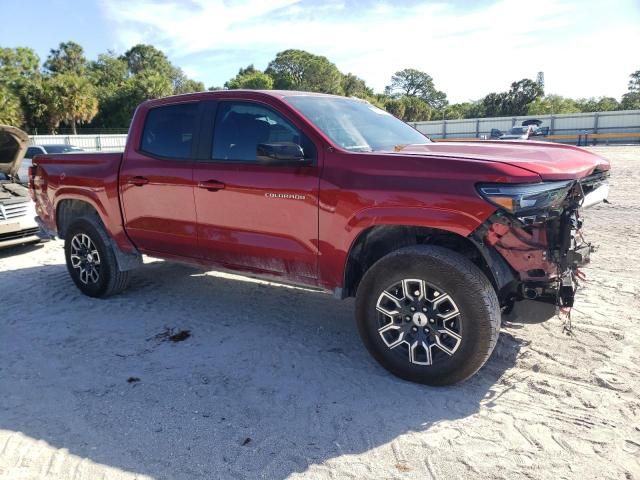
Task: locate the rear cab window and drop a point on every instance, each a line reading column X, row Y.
column 169, row 131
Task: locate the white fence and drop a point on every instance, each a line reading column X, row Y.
column 625, row 121
column 92, row 143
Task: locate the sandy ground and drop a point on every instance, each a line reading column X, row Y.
column 274, row 383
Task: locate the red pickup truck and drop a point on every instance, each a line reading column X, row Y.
column 433, row 239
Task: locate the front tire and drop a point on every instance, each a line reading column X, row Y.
column 428, row 315
column 91, row 260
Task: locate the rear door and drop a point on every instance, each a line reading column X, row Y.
column 256, row 215
column 156, row 182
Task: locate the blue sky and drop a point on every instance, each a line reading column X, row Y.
column 471, row 48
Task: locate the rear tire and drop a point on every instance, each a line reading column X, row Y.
column 428, row 315
column 91, row 260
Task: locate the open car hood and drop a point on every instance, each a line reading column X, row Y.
column 13, row 145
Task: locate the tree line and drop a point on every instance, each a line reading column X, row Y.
column 69, row 90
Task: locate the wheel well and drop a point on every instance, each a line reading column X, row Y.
column 68, row 210
column 375, row 242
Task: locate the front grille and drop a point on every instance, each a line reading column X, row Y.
column 20, row 234
column 17, row 210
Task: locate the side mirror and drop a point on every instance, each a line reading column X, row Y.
column 280, row 152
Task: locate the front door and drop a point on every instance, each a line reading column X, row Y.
column 156, row 182
column 254, row 214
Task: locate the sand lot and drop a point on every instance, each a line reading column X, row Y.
column 274, row 382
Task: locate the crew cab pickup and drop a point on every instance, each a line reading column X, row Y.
column 433, row 239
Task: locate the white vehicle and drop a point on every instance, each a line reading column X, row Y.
column 17, row 210
column 34, row 150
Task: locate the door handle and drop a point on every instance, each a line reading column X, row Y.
column 211, row 185
column 138, row 181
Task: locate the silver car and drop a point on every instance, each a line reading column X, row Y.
column 17, row 210
column 34, row 150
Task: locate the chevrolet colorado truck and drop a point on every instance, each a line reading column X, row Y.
column 433, row 239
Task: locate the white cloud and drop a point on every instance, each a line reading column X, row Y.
column 468, row 52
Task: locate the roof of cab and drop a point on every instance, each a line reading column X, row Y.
column 236, row 93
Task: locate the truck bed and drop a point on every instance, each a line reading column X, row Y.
column 85, row 177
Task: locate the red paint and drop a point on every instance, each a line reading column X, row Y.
column 235, row 225
column 524, row 251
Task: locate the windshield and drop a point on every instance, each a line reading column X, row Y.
column 356, row 125
column 518, row 130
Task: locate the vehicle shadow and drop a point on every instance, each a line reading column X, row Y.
column 272, row 381
column 20, row 249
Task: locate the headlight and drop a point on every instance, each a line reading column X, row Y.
column 526, row 198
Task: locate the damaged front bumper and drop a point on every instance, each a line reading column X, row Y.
column 543, row 250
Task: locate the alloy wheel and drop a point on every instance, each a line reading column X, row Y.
column 419, row 321
column 85, row 258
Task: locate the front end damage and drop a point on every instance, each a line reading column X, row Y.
column 542, row 245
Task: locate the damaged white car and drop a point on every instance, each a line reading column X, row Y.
column 17, row 210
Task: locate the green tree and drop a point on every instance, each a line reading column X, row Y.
column 183, row 84
column 110, row 74
column 19, row 74
column 109, row 71
column 521, row 94
column 395, row 107
column 18, row 66
column 457, row 111
column 354, row 86
column 143, row 57
column 152, row 84
column 67, row 58
column 10, row 109
column 300, row 70
column 514, row 102
column 34, row 104
column 377, row 99
column 250, row 78
column 552, row 104
column 415, row 109
column 117, row 110
column 495, row 105
column 602, row 104
column 414, row 83
column 70, row 99
column 631, row 99
column 634, row 82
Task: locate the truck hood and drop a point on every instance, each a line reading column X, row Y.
column 13, row 145
column 551, row 161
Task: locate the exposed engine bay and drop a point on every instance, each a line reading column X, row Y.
column 544, row 248
column 12, row 192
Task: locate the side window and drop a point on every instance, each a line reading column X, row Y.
column 168, row 131
column 240, row 128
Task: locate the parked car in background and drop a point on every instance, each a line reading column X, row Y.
column 17, row 210
column 530, row 128
column 431, row 238
column 34, row 150
column 516, row 133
